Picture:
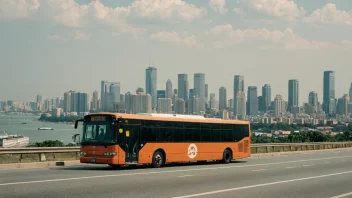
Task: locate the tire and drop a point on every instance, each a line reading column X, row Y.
column 115, row 165
column 226, row 156
column 158, row 159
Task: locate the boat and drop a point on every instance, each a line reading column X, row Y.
column 13, row 141
column 45, row 128
column 24, row 122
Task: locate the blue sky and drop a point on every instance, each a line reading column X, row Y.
column 52, row 46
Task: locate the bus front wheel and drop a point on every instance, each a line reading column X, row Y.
column 227, row 156
column 158, row 159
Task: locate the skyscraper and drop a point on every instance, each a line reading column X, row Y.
column 350, row 94
column 95, row 98
column 182, row 88
column 206, row 92
column 238, row 86
column 313, row 101
column 164, row 105
column 199, row 89
column 293, row 93
column 241, row 104
column 252, row 101
column 222, row 98
column 279, row 105
column 266, row 93
column 151, row 84
column 329, row 92
column 39, row 98
column 169, row 90
column 110, row 95
column 342, row 105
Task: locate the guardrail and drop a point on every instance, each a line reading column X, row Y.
column 40, row 154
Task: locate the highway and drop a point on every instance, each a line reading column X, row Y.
column 314, row 174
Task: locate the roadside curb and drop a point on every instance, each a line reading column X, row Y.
column 256, row 155
column 38, row 164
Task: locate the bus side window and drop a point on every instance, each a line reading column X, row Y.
column 178, row 132
column 206, row 132
column 188, row 132
column 226, row 132
column 215, row 133
column 196, row 132
column 148, row 133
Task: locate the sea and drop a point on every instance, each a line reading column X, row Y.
column 28, row 124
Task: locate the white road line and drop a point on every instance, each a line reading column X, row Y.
column 308, row 165
column 170, row 171
column 343, row 195
column 291, row 167
column 186, row 176
column 259, row 170
column 327, row 163
column 260, row 185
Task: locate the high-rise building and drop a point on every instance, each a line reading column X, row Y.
column 252, row 101
column 279, row 105
column 329, row 92
column 262, row 106
column 191, row 93
column 39, row 98
column 199, row 89
column 151, row 84
column 206, row 94
column 67, row 102
column 342, row 105
column 293, row 93
column 350, row 94
column 266, row 93
column 241, row 104
column 169, row 90
column 180, row 107
column 238, row 86
column 110, row 95
column 313, row 101
column 222, row 98
column 182, row 88
column 138, row 103
column 95, row 98
column 164, row 105
column 212, row 102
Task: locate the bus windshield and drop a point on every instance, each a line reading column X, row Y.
column 98, row 133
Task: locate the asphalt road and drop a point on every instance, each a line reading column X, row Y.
column 321, row 174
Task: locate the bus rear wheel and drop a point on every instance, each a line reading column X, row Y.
column 158, row 159
column 227, row 156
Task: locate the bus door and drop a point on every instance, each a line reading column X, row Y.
column 131, row 144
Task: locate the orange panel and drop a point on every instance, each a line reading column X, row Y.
column 97, row 153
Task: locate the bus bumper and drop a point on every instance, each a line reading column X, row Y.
column 99, row 160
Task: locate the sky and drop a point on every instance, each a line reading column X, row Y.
column 49, row 47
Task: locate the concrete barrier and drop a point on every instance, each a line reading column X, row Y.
column 55, row 154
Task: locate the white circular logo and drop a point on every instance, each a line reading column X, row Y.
column 192, row 151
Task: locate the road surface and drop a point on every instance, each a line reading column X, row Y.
column 317, row 174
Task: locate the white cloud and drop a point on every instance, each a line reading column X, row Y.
column 330, row 14
column 346, row 42
column 238, row 11
column 18, row 8
column 218, row 6
column 164, row 9
column 81, row 36
column 54, row 37
column 174, row 37
column 225, row 35
column 283, row 9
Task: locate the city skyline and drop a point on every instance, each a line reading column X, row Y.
column 49, row 47
column 182, row 76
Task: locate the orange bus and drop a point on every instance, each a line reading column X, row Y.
column 120, row 139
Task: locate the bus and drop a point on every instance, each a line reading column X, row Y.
column 118, row 139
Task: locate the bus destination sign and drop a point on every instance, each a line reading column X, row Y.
column 98, row 118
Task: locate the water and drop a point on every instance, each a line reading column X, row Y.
column 12, row 124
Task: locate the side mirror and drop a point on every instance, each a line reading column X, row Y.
column 76, row 123
column 74, row 138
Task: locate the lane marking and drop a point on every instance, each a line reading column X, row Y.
column 327, row 163
column 308, row 165
column 291, row 167
column 259, row 170
column 343, row 195
column 264, row 184
column 170, row 171
column 186, row 176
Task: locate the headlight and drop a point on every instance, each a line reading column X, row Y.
column 110, row 153
column 83, row 153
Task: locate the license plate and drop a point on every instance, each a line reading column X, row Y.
column 92, row 160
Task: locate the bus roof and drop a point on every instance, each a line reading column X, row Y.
column 170, row 117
